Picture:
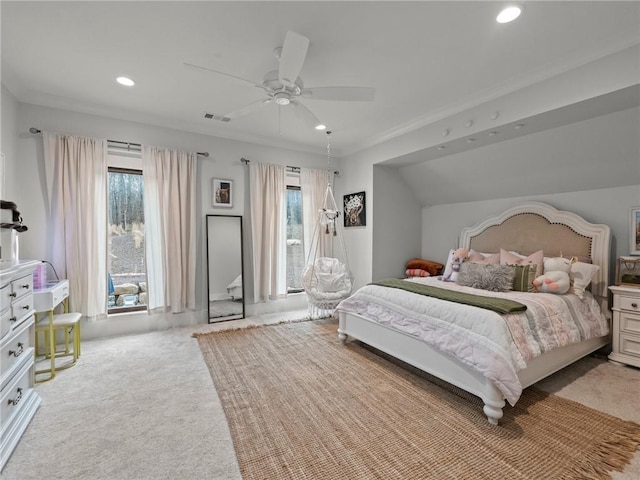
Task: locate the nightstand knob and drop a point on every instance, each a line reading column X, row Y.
column 634, row 305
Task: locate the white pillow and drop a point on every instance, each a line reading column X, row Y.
column 581, row 275
column 331, row 282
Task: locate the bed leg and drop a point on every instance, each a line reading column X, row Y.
column 341, row 324
column 493, row 403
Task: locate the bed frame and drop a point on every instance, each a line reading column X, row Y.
column 525, row 228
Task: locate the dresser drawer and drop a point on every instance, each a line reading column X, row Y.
column 21, row 307
column 15, row 350
column 630, row 322
column 630, row 345
column 14, row 396
column 631, row 304
column 22, row 286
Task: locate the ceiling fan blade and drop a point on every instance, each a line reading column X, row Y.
column 303, row 113
column 352, row 94
column 252, row 107
column 205, row 69
column 292, row 57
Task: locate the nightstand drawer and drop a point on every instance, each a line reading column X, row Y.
column 630, row 345
column 631, row 304
column 630, row 322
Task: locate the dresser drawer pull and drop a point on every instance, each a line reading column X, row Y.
column 18, row 352
column 16, row 400
column 13, row 294
column 26, row 307
column 634, row 305
column 26, row 286
column 13, row 319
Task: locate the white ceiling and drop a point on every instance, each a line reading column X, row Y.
column 421, row 57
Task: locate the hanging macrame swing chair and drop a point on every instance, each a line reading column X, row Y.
column 327, row 278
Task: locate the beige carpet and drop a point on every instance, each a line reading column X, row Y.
column 301, row 405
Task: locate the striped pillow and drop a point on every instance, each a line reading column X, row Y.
column 524, row 277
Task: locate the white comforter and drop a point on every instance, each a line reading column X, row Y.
column 496, row 345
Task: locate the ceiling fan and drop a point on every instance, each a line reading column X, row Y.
column 284, row 87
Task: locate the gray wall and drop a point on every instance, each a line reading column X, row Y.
column 25, row 167
column 610, row 206
column 397, row 223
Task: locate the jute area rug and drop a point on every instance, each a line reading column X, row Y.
column 302, row 405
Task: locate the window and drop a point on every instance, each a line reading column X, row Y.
column 127, row 282
column 295, row 240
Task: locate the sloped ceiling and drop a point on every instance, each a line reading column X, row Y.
column 426, row 60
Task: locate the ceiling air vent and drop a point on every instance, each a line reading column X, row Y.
column 213, row 116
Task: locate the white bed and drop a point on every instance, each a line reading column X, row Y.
column 234, row 289
column 525, row 228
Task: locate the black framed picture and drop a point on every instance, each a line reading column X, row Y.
column 355, row 209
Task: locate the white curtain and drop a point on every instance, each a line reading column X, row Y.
column 313, row 184
column 268, row 230
column 170, row 228
column 76, row 174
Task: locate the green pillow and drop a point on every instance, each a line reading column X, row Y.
column 524, row 277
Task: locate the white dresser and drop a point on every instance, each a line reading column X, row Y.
column 626, row 325
column 18, row 398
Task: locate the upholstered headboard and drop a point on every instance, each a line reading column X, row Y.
column 535, row 226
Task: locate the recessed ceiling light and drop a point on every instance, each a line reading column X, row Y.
column 509, row 14
column 321, row 126
column 126, row 81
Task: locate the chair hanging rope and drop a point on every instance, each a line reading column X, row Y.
column 327, row 278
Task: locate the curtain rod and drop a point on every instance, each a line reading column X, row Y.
column 246, row 161
column 136, row 146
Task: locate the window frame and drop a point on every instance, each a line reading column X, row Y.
column 134, row 308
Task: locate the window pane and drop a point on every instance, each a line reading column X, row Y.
column 127, row 289
column 295, row 245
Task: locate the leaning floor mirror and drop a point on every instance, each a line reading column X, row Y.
column 225, row 267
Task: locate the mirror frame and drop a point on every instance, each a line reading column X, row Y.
column 208, row 293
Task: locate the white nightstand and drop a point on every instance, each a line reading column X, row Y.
column 626, row 325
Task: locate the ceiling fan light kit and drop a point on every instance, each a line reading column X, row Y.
column 284, row 86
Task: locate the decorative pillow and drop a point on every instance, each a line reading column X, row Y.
column 486, row 258
column 434, row 268
column 581, row 275
column 523, row 278
column 512, row 258
column 331, row 282
column 448, row 266
column 417, row 272
column 495, row 278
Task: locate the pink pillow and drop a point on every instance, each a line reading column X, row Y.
column 537, row 259
column 488, row 259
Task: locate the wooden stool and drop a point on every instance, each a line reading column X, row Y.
column 69, row 323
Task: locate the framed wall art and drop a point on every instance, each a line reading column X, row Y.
column 355, row 210
column 634, row 231
column 222, row 192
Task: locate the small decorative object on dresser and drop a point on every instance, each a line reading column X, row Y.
column 626, row 325
column 634, row 231
column 628, row 271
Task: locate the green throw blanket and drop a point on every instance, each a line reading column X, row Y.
column 499, row 305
